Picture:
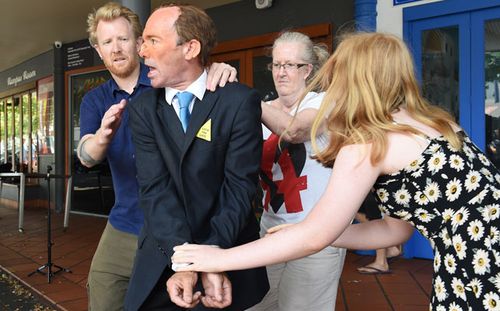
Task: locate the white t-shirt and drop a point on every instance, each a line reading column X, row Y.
column 292, row 182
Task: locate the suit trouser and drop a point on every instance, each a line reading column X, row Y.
column 309, row 283
column 111, row 269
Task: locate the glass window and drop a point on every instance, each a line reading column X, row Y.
column 236, row 64
column 94, row 183
column 45, row 116
column 440, row 68
column 262, row 77
column 17, row 133
column 10, row 133
column 26, row 131
column 3, row 133
column 491, row 89
column 34, row 130
column 18, row 145
column 80, row 85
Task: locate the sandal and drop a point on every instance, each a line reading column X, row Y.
column 373, row 270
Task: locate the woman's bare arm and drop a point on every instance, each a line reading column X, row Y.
column 352, row 178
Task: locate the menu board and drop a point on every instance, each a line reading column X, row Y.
column 80, row 54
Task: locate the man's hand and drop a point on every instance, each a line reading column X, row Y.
column 220, row 74
column 180, row 289
column 110, row 122
column 218, row 291
column 93, row 147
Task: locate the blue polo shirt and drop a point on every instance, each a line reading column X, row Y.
column 125, row 215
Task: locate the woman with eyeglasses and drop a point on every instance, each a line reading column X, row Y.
column 292, row 182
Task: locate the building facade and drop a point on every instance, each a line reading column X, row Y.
column 455, row 45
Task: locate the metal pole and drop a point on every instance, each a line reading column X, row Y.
column 67, row 205
column 22, row 187
column 49, row 233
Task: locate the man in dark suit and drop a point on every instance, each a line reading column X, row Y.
column 197, row 157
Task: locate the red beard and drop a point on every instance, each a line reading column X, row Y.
column 122, row 70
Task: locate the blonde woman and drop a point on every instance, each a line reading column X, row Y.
column 426, row 172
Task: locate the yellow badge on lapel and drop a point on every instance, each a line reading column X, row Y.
column 205, row 131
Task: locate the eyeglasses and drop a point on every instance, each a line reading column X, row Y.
column 286, row 66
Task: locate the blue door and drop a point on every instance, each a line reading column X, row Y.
column 456, row 45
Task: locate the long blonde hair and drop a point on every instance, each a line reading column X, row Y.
column 369, row 77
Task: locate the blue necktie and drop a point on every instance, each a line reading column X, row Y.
column 184, row 99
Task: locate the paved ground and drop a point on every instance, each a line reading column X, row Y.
column 406, row 289
column 14, row 296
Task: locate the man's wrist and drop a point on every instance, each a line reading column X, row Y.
column 100, row 140
column 84, row 156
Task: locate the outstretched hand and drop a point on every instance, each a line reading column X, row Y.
column 219, row 74
column 203, row 258
column 110, row 122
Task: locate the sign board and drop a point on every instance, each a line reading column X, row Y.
column 79, row 54
column 28, row 71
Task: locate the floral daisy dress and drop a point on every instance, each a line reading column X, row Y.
column 452, row 197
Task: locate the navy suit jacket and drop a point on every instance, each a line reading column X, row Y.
column 197, row 187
